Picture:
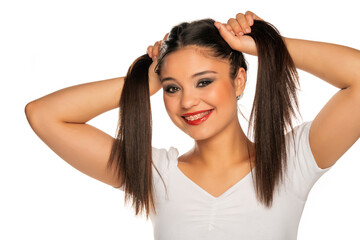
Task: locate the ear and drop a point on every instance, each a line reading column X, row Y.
column 239, row 82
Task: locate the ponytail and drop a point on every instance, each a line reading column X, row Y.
column 131, row 149
column 275, row 95
column 270, row 115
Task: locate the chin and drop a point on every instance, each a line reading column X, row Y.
column 199, row 133
column 199, row 137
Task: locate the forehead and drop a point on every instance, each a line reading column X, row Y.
column 189, row 60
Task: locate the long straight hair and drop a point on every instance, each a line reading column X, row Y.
column 274, row 104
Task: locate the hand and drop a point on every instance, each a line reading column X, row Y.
column 234, row 32
column 153, row 52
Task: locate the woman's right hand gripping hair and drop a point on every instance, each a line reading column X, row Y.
column 154, row 51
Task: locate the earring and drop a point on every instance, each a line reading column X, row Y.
column 237, row 97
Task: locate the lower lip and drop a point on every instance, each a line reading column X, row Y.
column 200, row 120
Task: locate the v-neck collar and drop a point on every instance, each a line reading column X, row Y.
column 224, row 194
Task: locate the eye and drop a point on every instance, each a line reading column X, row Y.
column 171, row 89
column 204, row 82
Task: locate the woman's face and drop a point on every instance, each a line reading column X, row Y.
column 199, row 95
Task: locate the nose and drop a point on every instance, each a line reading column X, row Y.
column 189, row 99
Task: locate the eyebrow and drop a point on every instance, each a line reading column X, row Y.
column 193, row 76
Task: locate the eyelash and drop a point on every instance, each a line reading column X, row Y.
column 170, row 89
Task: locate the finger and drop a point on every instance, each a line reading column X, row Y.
column 229, row 28
column 155, row 50
column 250, row 16
column 149, row 51
column 166, row 36
column 244, row 24
column 235, row 26
column 226, row 34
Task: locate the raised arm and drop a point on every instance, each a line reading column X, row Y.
column 59, row 119
column 335, row 64
column 337, row 126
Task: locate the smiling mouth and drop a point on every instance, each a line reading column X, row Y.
column 197, row 117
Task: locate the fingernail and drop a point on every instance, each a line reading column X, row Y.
column 247, row 30
column 154, row 58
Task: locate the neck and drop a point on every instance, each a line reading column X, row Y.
column 225, row 149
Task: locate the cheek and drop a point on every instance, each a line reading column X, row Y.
column 171, row 105
column 222, row 94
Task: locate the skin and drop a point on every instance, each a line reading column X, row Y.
column 60, row 118
column 337, row 126
column 218, row 136
column 219, row 157
column 221, row 136
column 330, row 135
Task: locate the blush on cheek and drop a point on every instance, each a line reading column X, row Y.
column 221, row 94
column 171, row 106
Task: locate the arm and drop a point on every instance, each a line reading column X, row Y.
column 337, row 126
column 335, row 64
column 59, row 119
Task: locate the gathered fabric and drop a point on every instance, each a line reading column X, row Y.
column 186, row 211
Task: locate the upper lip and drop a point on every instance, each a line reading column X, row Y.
column 194, row 113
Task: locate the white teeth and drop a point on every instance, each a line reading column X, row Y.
column 197, row 116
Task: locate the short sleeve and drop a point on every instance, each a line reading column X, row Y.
column 303, row 171
column 163, row 160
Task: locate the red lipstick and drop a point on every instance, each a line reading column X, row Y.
column 196, row 118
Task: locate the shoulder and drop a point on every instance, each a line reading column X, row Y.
column 297, row 141
column 299, row 153
column 164, row 159
column 302, row 169
column 299, row 131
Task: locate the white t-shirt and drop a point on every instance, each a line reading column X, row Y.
column 189, row 212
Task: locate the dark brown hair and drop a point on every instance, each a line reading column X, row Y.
column 271, row 112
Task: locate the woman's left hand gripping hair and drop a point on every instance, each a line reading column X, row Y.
column 153, row 52
column 235, row 30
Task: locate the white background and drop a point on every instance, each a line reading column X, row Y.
column 49, row 45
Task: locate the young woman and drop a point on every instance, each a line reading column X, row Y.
column 226, row 186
